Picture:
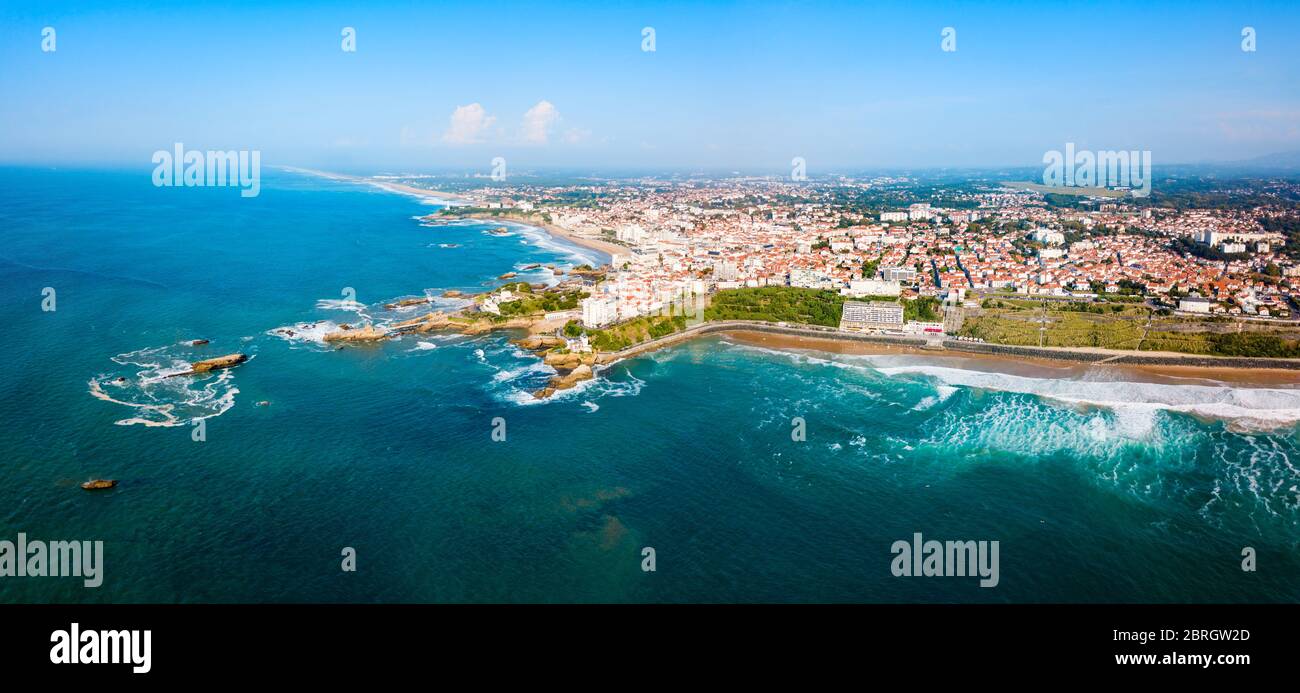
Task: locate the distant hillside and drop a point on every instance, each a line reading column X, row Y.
column 1279, row 159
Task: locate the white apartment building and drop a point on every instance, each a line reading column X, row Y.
column 872, row 287
column 920, row 210
column 871, row 315
column 1048, row 236
column 1194, row 304
column 631, row 233
column 810, row 279
column 924, row 327
column 598, row 311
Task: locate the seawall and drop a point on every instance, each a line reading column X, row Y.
column 957, row 347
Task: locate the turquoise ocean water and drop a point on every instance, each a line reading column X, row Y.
column 1096, row 490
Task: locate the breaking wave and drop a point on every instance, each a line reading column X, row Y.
column 153, row 387
column 1242, row 408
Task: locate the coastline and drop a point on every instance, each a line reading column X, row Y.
column 1027, row 366
column 439, row 195
column 401, row 188
column 604, row 247
column 1047, row 362
column 1041, row 361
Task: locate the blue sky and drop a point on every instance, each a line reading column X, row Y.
column 730, row 85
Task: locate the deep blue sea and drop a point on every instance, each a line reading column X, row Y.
column 1097, row 490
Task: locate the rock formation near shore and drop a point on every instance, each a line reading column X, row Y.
column 219, row 362
column 566, row 381
column 485, row 326
column 569, row 361
column 207, row 365
column 426, row 323
column 540, row 342
column 407, row 302
column 346, row 333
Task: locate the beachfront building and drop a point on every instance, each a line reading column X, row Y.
column 598, row 311
column 861, row 316
column 921, row 327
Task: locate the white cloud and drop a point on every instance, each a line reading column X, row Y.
column 469, row 125
column 538, row 123
column 576, row 135
column 472, row 124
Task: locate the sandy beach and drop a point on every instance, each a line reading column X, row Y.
column 412, row 190
column 605, row 247
column 386, row 185
column 1028, row 367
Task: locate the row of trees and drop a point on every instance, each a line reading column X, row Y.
column 1253, row 344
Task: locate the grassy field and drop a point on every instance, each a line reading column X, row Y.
column 1029, row 323
column 1222, row 337
column 777, row 304
column 1112, row 325
column 626, row 334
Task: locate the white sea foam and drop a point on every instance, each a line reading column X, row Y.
column 341, row 304
column 522, row 371
column 542, row 239
column 1136, row 404
column 423, row 346
column 1258, row 469
column 436, row 337
column 586, row 390
column 158, row 393
column 305, row 332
